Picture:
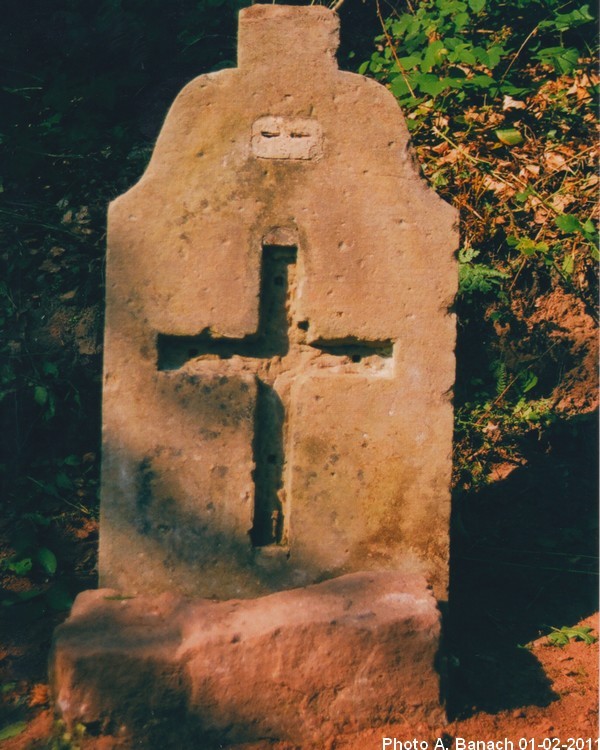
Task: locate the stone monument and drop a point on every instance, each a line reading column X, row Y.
column 277, row 391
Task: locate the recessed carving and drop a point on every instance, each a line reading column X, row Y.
column 286, row 138
column 279, row 343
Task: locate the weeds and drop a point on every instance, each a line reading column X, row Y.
column 562, row 636
column 500, row 105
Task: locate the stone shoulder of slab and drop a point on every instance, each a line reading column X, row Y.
column 171, row 128
column 384, row 102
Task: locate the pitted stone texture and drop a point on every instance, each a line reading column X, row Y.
column 300, row 665
column 272, row 418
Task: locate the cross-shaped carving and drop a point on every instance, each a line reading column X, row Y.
column 276, row 354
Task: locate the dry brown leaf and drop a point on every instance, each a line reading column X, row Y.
column 492, row 430
column 83, row 215
column 528, row 170
column 453, row 156
column 509, row 103
column 561, row 201
column 39, row 695
column 554, row 161
column 497, row 187
column 49, row 266
column 441, row 148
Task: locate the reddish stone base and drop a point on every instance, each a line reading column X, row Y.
column 351, row 653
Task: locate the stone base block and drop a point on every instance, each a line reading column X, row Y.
column 300, row 665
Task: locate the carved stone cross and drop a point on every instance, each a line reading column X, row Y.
column 273, row 417
column 277, row 353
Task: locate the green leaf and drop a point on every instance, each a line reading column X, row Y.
column 50, row 368
column 528, row 247
column 462, row 54
column 58, row 597
column 21, row 567
column 577, row 17
column 530, row 382
column 461, row 20
column 564, row 60
column 434, row 54
column 47, row 559
column 26, row 596
column 40, row 395
column 561, row 636
column 509, row 136
column 431, row 84
column 588, row 228
column 568, row 265
column 522, row 197
column 480, row 82
column 477, row 5
column 410, row 61
column 12, row 730
column 568, row 223
column 399, row 86
column 466, row 254
column 36, row 518
column 495, row 54
column 63, row 481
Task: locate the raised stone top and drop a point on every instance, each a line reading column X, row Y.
column 287, row 35
column 279, row 347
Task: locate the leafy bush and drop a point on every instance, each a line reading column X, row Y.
column 499, row 98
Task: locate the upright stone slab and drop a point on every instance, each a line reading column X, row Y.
column 279, row 351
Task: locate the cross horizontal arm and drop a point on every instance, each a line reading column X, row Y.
column 175, row 351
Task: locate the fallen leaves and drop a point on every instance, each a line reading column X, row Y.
column 39, row 695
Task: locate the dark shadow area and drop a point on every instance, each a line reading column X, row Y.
column 523, row 559
column 267, row 527
column 356, row 349
column 190, row 549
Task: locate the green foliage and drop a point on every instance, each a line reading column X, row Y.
column 455, row 66
column 476, row 278
column 440, row 48
column 12, row 730
column 63, row 739
column 570, row 224
column 562, row 636
column 499, row 99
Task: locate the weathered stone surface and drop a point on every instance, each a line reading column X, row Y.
column 278, row 350
column 300, row 665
